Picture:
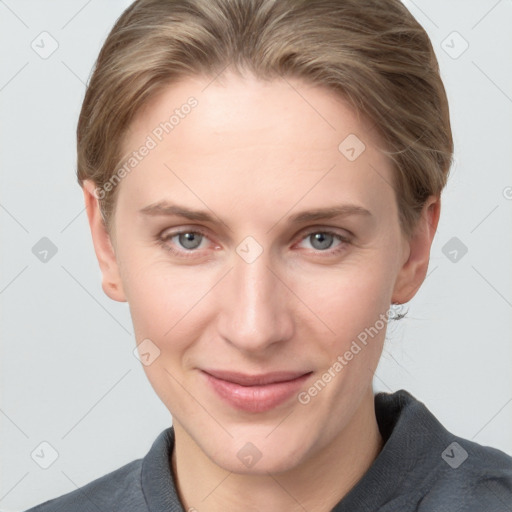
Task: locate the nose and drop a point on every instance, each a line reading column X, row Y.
column 256, row 306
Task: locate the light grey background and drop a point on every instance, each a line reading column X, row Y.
column 68, row 374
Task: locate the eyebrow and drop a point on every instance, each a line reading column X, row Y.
column 164, row 208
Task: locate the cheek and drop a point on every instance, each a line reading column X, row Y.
column 166, row 308
column 165, row 302
column 349, row 299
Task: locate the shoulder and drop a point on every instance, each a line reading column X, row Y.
column 470, row 478
column 444, row 472
column 119, row 490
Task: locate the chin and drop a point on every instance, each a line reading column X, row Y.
column 274, row 463
column 251, row 453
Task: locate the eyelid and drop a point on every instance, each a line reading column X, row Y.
column 179, row 231
column 345, row 234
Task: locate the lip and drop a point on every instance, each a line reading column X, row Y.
column 255, row 393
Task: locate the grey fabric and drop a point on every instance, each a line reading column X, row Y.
column 421, row 468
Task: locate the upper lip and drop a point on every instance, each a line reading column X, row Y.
column 244, row 379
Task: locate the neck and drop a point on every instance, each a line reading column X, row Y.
column 316, row 484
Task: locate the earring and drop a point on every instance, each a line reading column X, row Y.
column 396, row 311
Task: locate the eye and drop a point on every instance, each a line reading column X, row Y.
column 189, row 239
column 183, row 242
column 186, row 243
column 323, row 240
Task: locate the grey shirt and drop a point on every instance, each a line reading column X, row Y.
column 422, row 467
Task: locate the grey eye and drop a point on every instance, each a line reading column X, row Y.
column 321, row 240
column 190, row 240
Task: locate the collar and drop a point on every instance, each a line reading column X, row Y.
column 409, row 432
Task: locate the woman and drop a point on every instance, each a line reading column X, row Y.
column 262, row 181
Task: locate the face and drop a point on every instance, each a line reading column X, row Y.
column 258, row 245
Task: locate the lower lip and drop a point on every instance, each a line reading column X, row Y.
column 256, row 398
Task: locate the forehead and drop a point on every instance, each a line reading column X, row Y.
column 231, row 106
column 245, row 136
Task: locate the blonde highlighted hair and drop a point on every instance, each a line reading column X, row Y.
column 371, row 52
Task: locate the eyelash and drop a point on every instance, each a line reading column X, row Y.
column 162, row 240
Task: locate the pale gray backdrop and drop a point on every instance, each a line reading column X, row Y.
column 69, row 378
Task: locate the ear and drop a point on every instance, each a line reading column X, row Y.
column 103, row 247
column 414, row 268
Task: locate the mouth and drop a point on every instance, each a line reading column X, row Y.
column 255, row 393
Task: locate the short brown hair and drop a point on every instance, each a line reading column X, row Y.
column 371, row 52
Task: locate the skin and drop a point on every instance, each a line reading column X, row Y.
column 252, row 154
